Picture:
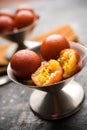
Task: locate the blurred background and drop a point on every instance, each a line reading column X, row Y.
column 54, row 13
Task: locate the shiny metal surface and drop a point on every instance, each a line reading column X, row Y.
column 57, row 104
column 58, row 100
column 4, row 80
column 18, row 36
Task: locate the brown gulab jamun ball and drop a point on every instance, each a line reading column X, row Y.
column 23, row 18
column 52, row 45
column 28, row 8
column 24, row 63
column 7, row 24
column 6, row 12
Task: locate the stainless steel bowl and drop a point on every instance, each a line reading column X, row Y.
column 18, row 36
column 58, row 100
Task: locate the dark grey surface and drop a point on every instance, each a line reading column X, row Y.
column 15, row 113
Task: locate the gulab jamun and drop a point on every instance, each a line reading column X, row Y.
column 70, row 61
column 28, row 8
column 24, row 63
column 48, row 73
column 24, row 18
column 52, row 45
column 6, row 12
column 7, row 24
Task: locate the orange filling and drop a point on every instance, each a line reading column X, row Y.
column 70, row 62
column 48, row 73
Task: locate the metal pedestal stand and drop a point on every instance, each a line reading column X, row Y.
column 57, row 104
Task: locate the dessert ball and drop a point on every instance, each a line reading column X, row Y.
column 6, row 12
column 52, row 46
column 48, row 73
column 23, row 18
column 24, row 63
column 70, row 61
column 6, row 24
column 28, row 8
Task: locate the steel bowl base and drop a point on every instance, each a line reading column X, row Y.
column 57, row 104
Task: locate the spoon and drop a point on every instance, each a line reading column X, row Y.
column 4, row 80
